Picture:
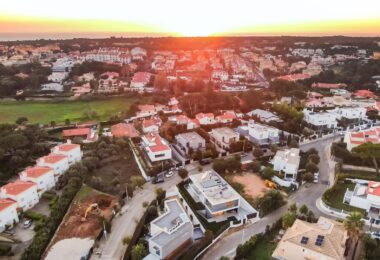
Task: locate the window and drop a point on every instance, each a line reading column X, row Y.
column 159, row 155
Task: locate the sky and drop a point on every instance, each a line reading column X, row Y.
column 191, row 18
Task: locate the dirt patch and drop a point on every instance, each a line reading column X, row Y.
column 254, row 186
column 75, row 226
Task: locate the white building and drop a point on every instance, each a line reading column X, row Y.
column 320, row 120
column 351, row 113
column 264, row 116
column 42, row 176
column 24, row 193
column 58, row 77
column 366, row 195
column 260, row 134
column 219, row 198
column 52, row 87
column 171, row 231
column 156, row 147
column 58, row 162
column 287, row 161
column 151, row 125
column 8, row 213
column 190, row 140
column 223, row 137
column 353, row 139
column 205, row 119
column 72, row 151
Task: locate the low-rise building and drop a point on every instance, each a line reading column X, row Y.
column 223, row 137
column 124, row 130
column 72, row 151
column 42, row 176
column 146, row 110
column 205, row 119
column 86, row 134
column 325, row 239
column 57, row 87
column 156, row 147
column 287, row 161
column 171, row 232
column 226, row 117
column 320, row 120
column 58, row 162
column 24, row 193
column 151, row 125
column 8, row 213
column 264, row 115
column 353, row 139
column 260, row 134
column 351, row 113
column 366, row 195
column 140, row 80
column 190, row 140
column 184, row 120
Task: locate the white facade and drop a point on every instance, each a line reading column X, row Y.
column 190, row 140
column 170, row 231
column 321, row 119
column 206, row 119
column 261, row 134
column 52, row 87
column 24, row 193
column 72, row 151
column 288, row 162
column 59, row 163
column 8, row 213
column 42, row 176
column 223, row 137
column 351, row 113
column 156, row 147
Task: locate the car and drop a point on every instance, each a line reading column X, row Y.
column 316, row 177
column 242, row 155
column 169, row 174
column 205, row 161
column 374, row 234
column 27, row 223
column 158, row 179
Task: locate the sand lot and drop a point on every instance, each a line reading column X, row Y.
column 254, row 186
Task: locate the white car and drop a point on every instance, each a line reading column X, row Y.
column 316, row 177
column 374, row 234
column 169, row 174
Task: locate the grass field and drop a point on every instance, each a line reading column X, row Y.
column 45, row 111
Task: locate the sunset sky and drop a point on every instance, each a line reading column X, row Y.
column 192, row 18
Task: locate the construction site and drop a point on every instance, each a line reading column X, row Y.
column 82, row 225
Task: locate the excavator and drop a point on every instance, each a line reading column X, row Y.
column 270, row 184
column 92, row 208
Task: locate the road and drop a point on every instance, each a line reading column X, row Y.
column 307, row 194
column 125, row 224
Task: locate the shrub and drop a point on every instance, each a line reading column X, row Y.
column 34, row 215
column 126, row 240
column 5, row 250
column 145, row 204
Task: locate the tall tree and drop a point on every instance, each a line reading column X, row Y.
column 368, row 151
column 354, row 226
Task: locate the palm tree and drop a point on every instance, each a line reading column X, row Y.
column 354, row 227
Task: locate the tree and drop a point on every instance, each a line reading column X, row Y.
column 304, row 210
column 21, row 120
column 314, row 158
column 160, row 194
column 288, row 219
column 268, row 173
column 308, row 177
column 368, row 151
column 53, row 123
column 137, row 181
column 138, row 252
column 258, row 152
column 67, row 121
column 183, row 173
column 271, row 200
column 273, row 148
column 293, row 144
column 255, row 166
column 311, row 167
column 293, row 207
column 354, row 226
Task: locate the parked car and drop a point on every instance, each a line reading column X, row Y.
column 169, row 174
column 205, row 161
column 28, row 223
column 316, row 177
column 242, row 155
column 374, row 234
column 158, row 179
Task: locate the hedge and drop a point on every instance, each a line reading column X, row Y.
column 34, row 215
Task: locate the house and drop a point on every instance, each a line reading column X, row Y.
column 109, row 82
column 171, row 232
column 287, row 161
column 184, row 120
column 223, row 137
column 151, row 125
column 72, row 151
column 81, row 90
column 219, row 75
column 156, row 147
column 219, row 199
column 146, row 110
column 57, row 87
column 58, row 162
column 264, row 115
column 320, row 120
column 85, row 133
column 138, row 53
column 351, row 113
column 8, row 213
column 366, row 195
column 328, row 85
column 325, row 239
column 40, row 175
column 140, row 80
column 363, row 93
column 260, row 134
column 353, row 139
column 226, row 117
column 205, row 119
column 190, row 140
column 294, row 77
column 124, row 130
column 24, row 193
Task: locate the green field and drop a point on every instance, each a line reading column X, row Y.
column 46, row 111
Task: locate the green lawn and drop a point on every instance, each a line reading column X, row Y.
column 46, row 111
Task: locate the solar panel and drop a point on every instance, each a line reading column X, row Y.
column 304, row 240
column 319, row 240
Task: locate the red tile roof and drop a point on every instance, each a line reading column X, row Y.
column 5, row 203
column 76, row 132
column 53, row 158
column 151, row 122
column 141, row 77
column 204, row 115
column 124, row 130
column 329, row 85
column 373, row 188
column 67, row 147
column 17, row 187
column 363, row 93
column 294, row 77
column 37, row 171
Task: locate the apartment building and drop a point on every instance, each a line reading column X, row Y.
column 42, row 176
column 24, row 193
column 71, row 151
column 8, row 213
